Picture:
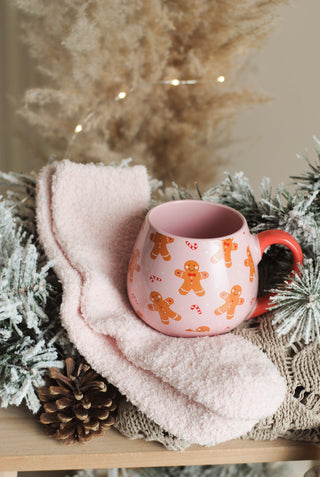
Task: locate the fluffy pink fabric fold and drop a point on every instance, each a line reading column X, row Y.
column 204, row 390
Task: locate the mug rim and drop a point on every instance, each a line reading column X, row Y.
column 207, row 203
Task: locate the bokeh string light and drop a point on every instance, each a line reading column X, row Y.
column 124, row 94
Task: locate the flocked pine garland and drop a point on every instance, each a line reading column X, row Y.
column 30, row 343
column 309, row 182
column 297, row 304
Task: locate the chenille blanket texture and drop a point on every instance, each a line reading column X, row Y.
column 203, row 390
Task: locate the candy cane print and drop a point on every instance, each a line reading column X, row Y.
column 197, row 308
column 192, row 246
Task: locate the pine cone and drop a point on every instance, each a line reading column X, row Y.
column 77, row 405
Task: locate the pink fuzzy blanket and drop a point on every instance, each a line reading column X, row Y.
column 204, row 390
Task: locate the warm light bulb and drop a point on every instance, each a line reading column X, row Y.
column 175, row 82
column 78, row 128
column 122, row 95
column 221, row 79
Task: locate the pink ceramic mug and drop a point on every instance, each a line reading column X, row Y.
column 194, row 268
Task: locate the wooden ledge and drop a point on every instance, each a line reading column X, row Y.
column 25, row 447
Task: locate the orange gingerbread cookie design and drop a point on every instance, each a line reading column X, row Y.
column 232, row 300
column 191, row 277
column 160, row 246
column 228, row 246
column 200, row 329
column 162, row 306
column 249, row 263
column 134, row 264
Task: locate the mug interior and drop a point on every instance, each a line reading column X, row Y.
column 196, row 219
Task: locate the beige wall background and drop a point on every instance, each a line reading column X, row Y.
column 17, row 73
column 268, row 136
column 288, row 70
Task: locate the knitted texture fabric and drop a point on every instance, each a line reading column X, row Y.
column 134, row 424
column 298, row 417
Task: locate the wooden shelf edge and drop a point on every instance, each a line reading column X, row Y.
column 233, row 452
column 25, row 447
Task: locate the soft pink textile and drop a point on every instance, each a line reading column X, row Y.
column 204, row 390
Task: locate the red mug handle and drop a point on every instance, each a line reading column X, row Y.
column 270, row 237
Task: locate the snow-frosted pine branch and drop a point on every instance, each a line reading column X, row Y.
column 25, row 354
column 296, row 305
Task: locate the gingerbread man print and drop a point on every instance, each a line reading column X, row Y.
column 200, row 329
column 249, row 263
column 228, row 247
column 160, row 246
column 232, row 300
column 191, row 277
column 162, row 306
column 134, row 264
